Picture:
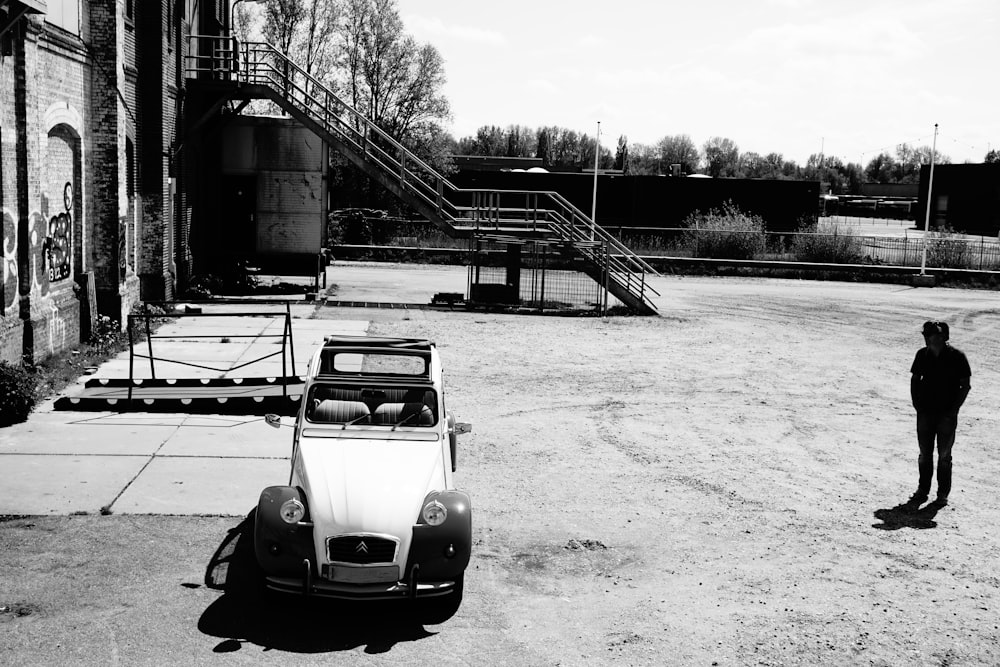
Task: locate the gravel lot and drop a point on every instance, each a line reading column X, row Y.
column 713, row 486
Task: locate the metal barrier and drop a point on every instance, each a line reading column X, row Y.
column 287, row 350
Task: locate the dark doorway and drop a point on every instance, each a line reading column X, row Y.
column 239, row 211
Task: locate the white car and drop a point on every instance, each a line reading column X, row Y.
column 370, row 510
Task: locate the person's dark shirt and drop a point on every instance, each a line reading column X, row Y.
column 939, row 379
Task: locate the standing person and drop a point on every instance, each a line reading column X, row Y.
column 938, row 387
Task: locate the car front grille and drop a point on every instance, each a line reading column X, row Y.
column 361, row 549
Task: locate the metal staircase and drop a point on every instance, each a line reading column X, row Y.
column 256, row 70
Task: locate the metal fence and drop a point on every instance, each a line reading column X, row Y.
column 943, row 251
column 535, row 276
column 901, row 246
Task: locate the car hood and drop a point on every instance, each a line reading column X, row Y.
column 367, row 486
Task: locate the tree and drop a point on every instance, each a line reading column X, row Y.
column 521, row 141
column 721, row 157
column 753, row 165
column 909, row 160
column 643, row 159
column 542, row 149
column 678, row 149
column 282, row 19
column 853, row 176
column 489, row 141
column 394, row 81
column 621, row 155
column 992, row 157
column 879, row 169
column 565, row 147
column 318, row 50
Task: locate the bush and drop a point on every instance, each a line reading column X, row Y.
column 17, row 393
column 359, row 226
column 107, row 337
column 726, row 233
column 947, row 250
column 233, row 277
column 827, row 243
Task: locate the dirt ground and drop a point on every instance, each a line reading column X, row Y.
column 712, row 487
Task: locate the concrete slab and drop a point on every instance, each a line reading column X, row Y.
column 386, row 282
column 200, row 485
column 242, row 437
column 51, row 433
column 53, row 484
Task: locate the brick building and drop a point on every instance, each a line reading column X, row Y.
column 95, row 217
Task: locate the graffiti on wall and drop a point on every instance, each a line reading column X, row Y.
column 122, row 248
column 9, row 262
column 58, row 241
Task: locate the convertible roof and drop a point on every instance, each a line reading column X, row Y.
column 345, row 357
column 356, row 342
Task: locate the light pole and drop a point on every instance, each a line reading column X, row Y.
column 930, row 189
column 597, row 154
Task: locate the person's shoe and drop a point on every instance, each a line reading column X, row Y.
column 941, row 501
column 916, row 500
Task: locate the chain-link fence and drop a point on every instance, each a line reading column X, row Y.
column 533, row 275
column 951, row 251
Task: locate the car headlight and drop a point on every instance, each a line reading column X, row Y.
column 292, row 511
column 435, row 513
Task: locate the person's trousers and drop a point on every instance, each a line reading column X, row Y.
column 933, row 427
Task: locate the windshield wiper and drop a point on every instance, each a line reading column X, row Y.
column 353, row 421
column 405, row 419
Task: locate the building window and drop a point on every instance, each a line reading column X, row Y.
column 65, row 14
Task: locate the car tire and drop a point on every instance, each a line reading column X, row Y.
column 438, row 610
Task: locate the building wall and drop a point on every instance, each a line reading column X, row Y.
column 287, row 163
column 966, row 198
column 660, row 201
column 43, row 204
column 84, row 183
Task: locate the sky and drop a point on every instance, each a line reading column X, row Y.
column 850, row 79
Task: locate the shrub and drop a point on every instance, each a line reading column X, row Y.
column 829, row 243
column 359, row 226
column 726, row 233
column 232, row 277
column 107, row 336
column 947, row 250
column 17, row 393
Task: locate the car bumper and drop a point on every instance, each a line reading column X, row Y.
column 330, row 589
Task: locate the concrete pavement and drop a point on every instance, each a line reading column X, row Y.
column 166, row 463
column 144, row 463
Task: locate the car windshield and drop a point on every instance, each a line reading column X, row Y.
column 394, row 406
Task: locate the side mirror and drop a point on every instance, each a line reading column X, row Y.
column 272, row 420
column 462, row 427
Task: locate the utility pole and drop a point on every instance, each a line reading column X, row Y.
column 597, row 154
column 930, row 191
column 593, row 206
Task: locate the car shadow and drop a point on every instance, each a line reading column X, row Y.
column 248, row 614
column 907, row 516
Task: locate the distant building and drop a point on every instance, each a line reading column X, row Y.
column 964, row 197
column 494, row 163
column 661, row 201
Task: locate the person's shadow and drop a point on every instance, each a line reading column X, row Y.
column 908, row 515
column 247, row 613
